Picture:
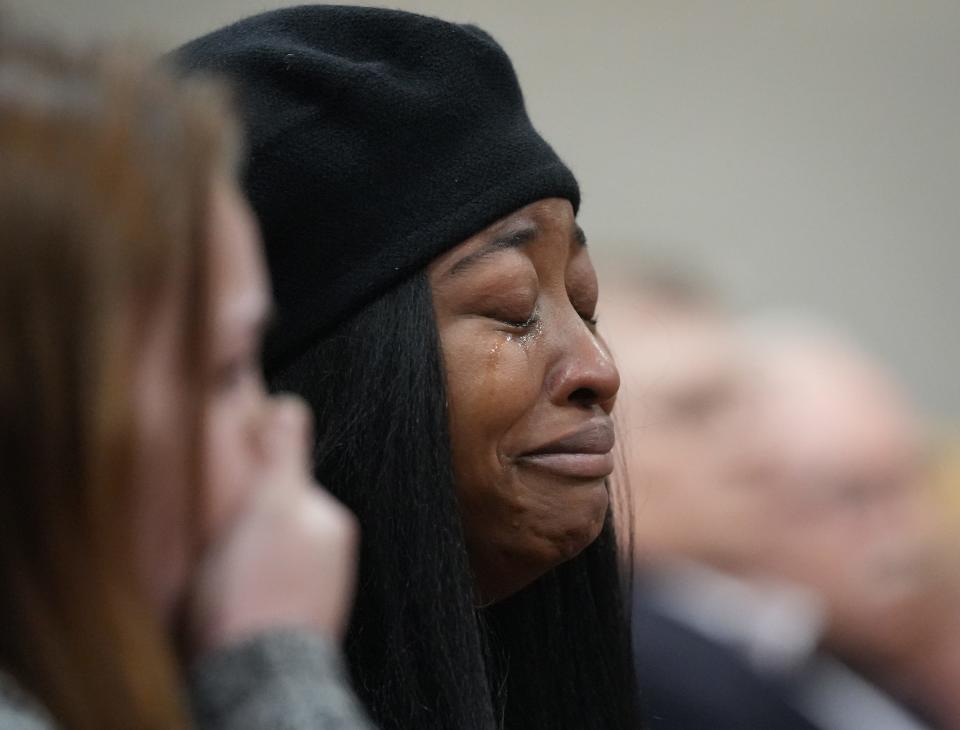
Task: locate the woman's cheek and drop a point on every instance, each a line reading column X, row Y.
column 491, row 385
column 489, row 391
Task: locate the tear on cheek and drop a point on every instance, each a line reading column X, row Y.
column 528, row 338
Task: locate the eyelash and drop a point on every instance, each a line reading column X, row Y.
column 532, row 320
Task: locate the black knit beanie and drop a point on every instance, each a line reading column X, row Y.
column 377, row 140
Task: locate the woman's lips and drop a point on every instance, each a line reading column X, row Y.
column 578, row 466
column 581, row 454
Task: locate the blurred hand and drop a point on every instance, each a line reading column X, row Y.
column 288, row 559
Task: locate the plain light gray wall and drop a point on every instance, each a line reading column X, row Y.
column 804, row 152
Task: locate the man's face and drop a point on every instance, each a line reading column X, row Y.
column 688, row 432
column 855, row 513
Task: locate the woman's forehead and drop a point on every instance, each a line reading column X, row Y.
column 549, row 222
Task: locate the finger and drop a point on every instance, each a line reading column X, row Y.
column 287, row 434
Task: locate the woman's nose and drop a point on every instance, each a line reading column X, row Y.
column 585, row 374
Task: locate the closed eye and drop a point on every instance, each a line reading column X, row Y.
column 521, row 325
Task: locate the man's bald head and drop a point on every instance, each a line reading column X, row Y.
column 686, row 429
column 854, row 513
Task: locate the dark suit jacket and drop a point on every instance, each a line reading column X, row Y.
column 689, row 682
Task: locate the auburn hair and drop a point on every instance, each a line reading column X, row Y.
column 106, row 167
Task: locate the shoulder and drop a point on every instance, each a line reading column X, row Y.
column 285, row 680
column 689, row 681
column 18, row 710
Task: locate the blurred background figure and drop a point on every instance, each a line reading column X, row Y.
column 790, row 559
column 931, row 671
column 858, row 521
column 714, row 643
column 160, row 531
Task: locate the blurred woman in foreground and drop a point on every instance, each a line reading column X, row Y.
column 156, row 510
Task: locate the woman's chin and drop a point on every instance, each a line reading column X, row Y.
column 513, row 566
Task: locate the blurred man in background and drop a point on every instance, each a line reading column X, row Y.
column 858, row 523
column 714, row 642
column 781, row 521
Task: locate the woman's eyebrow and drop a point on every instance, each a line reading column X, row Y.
column 513, row 239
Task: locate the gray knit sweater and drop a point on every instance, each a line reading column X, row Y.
column 282, row 680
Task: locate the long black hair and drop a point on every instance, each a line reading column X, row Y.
column 555, row 656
